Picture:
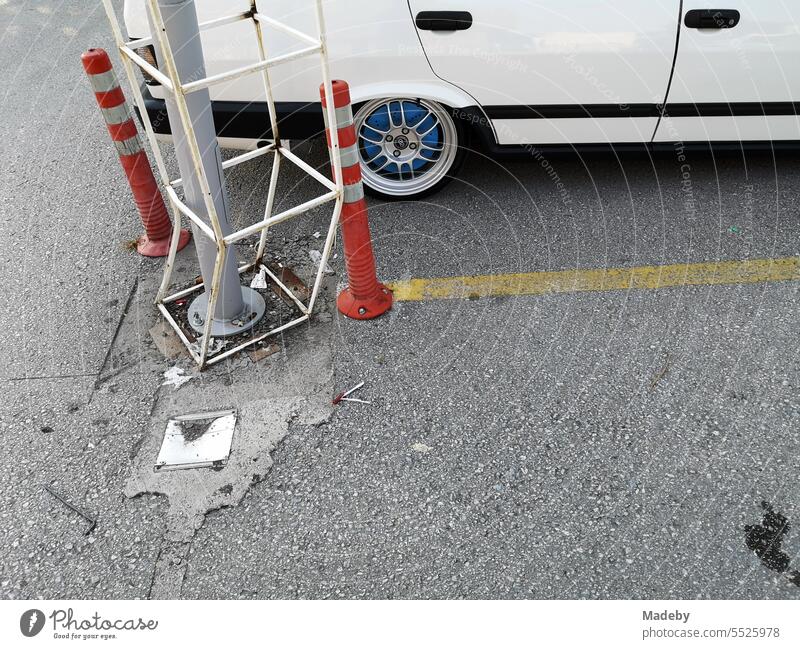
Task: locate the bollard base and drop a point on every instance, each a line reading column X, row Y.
column 360, row 309
column 254, row 308
column 160, row 247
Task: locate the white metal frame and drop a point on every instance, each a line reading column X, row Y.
column 172, row 83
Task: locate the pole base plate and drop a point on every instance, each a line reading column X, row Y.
column 254, row 308
column 360, row 309
column 160, row 247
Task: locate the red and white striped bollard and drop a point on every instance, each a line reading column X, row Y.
column 119, row 120
column 365, row 297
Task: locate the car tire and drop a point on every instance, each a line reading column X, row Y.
column 408, row 148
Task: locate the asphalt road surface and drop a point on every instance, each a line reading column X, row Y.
column 621, row 444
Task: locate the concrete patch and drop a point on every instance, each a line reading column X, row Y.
column 295, row 387
column 194, row 492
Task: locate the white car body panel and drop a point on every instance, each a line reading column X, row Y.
column 757, row 61
column 613, row 55
column 559, row 131
column 360, row 51
column 559, row 52
column 744, row 128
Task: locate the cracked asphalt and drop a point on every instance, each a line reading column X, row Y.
column 603, row 445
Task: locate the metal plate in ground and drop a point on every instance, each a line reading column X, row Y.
column 197, row 440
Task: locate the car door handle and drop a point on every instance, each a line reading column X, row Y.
column 711, row 18
column 444, row 21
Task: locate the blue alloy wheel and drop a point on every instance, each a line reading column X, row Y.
column 406, row 146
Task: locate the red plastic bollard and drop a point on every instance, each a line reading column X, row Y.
column 119, row 120
column 365, row 297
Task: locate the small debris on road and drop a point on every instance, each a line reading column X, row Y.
column 355, row 400
column 316, row 257
column 77, row 510
column 263, row 352
column 291, row 281
column 166, row 341
column 215, row 345
column 419, row 447
column 347, row 393
column 662, row 372
column 260, row 278
column 176, row 376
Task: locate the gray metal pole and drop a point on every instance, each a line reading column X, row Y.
column 238, row 307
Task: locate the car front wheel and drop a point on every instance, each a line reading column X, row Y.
column 408, row 148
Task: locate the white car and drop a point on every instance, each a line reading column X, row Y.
column 428, row 76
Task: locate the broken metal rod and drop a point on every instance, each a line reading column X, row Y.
column 342, row 395
column 77, row 510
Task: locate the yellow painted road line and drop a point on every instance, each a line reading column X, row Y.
column 598, row 279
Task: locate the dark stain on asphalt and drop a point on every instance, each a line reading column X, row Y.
column 766, row 541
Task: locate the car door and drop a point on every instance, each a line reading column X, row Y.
column 556, row 71
column 737, row 73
